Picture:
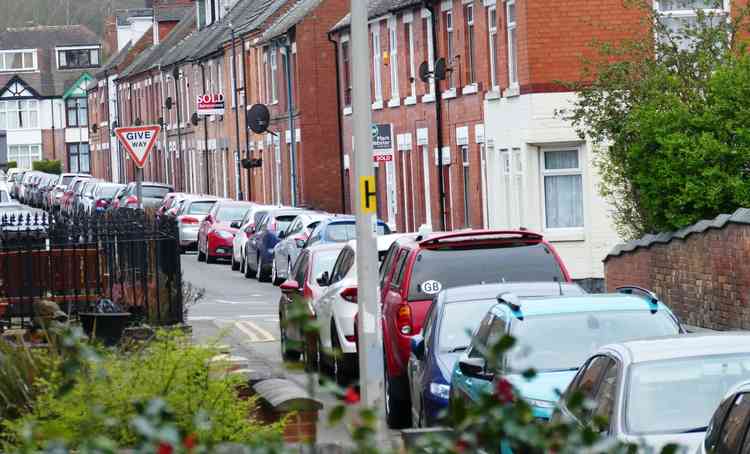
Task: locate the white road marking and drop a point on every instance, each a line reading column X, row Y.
column 254, row 332
column 198, row 318
column 265, row 317
column 241, row 302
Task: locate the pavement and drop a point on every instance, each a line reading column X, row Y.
column 243, row 314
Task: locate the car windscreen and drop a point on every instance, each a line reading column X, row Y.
column 680, row 395
column 231, row 213
column 155, row 192
column 323, row 261
column 282, row 222
column 201, row 208
column 66, row 179
column 451, row 267
column 339, row 232
column 564, row 341
column 459, row 321
column 108, row 191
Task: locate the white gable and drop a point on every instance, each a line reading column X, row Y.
column 16, row 90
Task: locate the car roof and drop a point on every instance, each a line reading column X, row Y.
column 323, row 247
column 282, row 211
column 521, row 289
column 152, row 183
column 603, row 302
column 230, row 202
column 683, row 346
column 384, row 241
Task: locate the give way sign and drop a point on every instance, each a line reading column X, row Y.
column 138, row 141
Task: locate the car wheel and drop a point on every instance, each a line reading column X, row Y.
column 259, row 273
column 342, row 370
column 274, row 275
column 249, row 273
column 235, row 265
column 201, row 255
column 210, row 258
column 242, row 265
column 395, row 415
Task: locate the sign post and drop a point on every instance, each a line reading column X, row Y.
column 138, row 141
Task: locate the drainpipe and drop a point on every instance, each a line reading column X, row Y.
column 247, row 134
column 286, row 42
column 120, row 160
column 54, row 145
column 176, row 74
column 205, row 135
column 164, row 133
column 109, row 123
column 344, row 204
column 438, row 115
column 130, row 100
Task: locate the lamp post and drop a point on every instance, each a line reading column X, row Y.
column 236, row 113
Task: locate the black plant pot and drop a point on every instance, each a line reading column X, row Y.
column 105, row 327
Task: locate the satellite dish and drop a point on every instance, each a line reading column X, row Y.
column 258, row 118
column 94, row 127
column 168, row 103
column 424, row 72
column 440, row 69
column 194, row 119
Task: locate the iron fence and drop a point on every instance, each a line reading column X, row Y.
column 127, row 257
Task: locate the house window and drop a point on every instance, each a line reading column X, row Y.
column 678, row 15
column 77, row 109
column 449, row 48
column 378, row 83
column 78, row 158
column 393, row 58
column 512, row 43
column 467, row 195
column 563, row 189
column 492, row 28
column 19, row 114
column 77, row 58
column 470, row 44
column 273, row 65
column 24, row 155
column 266, row 73
column 346, row 63
column 411, row 67
column 427, row 40
column 18, row 60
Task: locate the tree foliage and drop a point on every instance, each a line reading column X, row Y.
column 47, row 166
column 667, row 111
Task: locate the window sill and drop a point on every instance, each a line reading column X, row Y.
column 449, row 94
column 565, row 235
column 394, row 102
column 429, row 97
column 511, row 92
column 470, row 89
column 410, row 101
column 377, row 105
column 347, row 111
column 492, row 94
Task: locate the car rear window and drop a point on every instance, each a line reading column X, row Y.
column 200, row 207
column 340, row 232
column 436, row 269
column 231, row 213
column 283, row 222
column 324, row 261
column 66, row 179
column 108, row 191
column 155, row 192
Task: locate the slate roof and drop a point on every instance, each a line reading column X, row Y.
column 741, row 216
column 123, row 15
column 48, row 81
column 289, row 19
column 377, row 8
column 115, row 61
column 173, row 13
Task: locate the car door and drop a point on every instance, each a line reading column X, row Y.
column 417, row 368
column 254, row 242
column 283, row 248
column 596, row 382
column 241, row 236
column 296, row 300
column 324, row 306
column 463, row 386
column 729, row 438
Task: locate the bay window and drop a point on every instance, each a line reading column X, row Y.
column 19, row 114
column 678, row 15
column 24, row 155
column 411, row 72
column 393, row 61
column 563, row 189
column 376, row 58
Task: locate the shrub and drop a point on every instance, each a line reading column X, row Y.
column 47, row 166
column 11, row 165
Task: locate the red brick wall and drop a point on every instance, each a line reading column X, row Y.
column 703, row 278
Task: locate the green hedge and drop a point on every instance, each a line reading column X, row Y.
column 47, row 166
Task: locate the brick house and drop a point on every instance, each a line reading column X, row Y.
column 44, row 71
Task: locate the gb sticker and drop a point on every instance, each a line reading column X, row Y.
column 431, row 287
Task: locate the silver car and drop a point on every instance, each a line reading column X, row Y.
column 292, row 242
column 730, row 423
column 659, row 391
column 189, row 218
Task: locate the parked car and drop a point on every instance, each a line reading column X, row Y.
column 218, row 228
column 5, row 198
column 69, row 195
column 340, row 229
column 259, row 247
column 453, row 316
column 298, row 294
column 419, row 266
column 663, row 391
column 85, row 202
column 168, row 202
column 554, row 336
column 729, row 424
column 103, row 196
column 153, row 194
column 292, row 242
column 56, row 194
column 191, row 214
column 247, row 229
column 15, row 187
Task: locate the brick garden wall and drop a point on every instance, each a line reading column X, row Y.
column 704, row 277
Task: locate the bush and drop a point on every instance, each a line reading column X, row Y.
column 11, row 165
column 110, row 393
column 47, row 166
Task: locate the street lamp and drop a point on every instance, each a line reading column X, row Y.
column 236, row 108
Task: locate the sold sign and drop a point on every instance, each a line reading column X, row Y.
column 211, row 104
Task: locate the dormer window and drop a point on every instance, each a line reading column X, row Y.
column 18, row 60
column 77, row 57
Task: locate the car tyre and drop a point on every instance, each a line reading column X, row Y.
column 342, row 368
column 201, row 255
column 394, row 418
column 235, row 265
column 249, row 273
column 259, row 273
column 286, row 353
column 210, row 258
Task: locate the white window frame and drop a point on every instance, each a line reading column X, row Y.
column 450, row 50
column 512, row 44
column 690, row 13
column 409, row 31
column 33, row 67
column 376, row 64
column 27, row 106
column 33, row 153
column 471, row 55
column 430, row 96
column 274, row 68
column 561, row 172
column 393, row 61
column 492, row 31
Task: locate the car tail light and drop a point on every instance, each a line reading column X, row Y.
column 131, row 200
column 307, row 292
column 188, row 220
column 102, row 203
column 351, row 338
column 403, row 319
column 349, row 294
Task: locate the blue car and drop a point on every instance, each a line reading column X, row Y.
column 452, row 317
column 555, row 336
column 340, row 229
column 264, row 236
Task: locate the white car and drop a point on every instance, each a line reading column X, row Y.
column 659, row 391
column 189, row 217
column 292, row 241
column 336, row 309
column 246, row 230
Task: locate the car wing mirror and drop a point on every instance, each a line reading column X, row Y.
column 300, row 243
column 475, row 368
column 417, row 347
column 235, row 224
column 323, row 279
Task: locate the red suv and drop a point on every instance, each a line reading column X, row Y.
column 417, row 267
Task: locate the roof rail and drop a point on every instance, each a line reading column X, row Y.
column 653, row 300
column 472, row 234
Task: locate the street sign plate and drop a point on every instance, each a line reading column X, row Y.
column 138, row 141
column 382, row 157
column 368, row 194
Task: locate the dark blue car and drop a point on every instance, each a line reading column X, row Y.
column 259, row 247
column 446, row 333
column 339, row 229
